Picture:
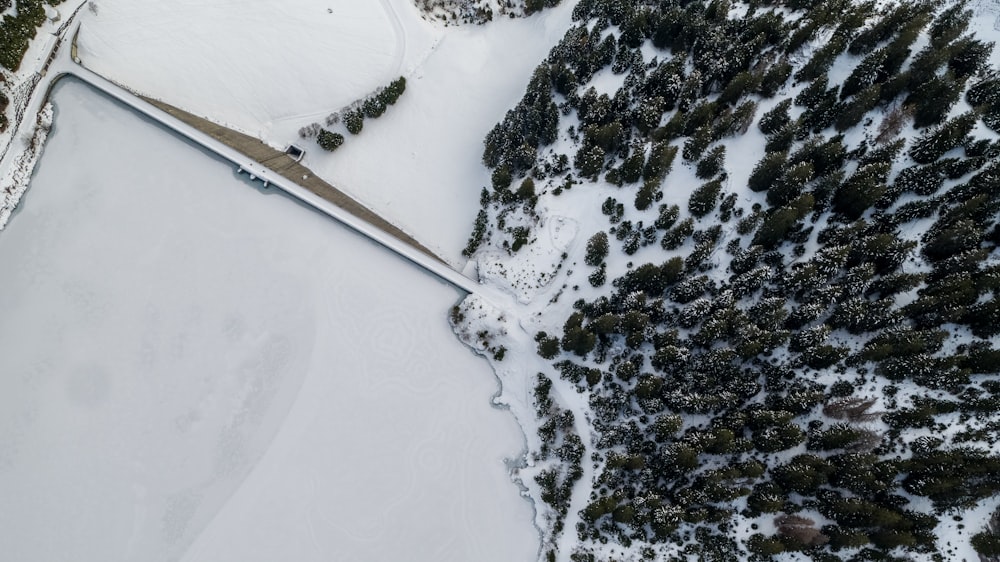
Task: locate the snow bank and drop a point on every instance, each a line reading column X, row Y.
column 16, row 178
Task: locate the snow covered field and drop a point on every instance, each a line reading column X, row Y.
column 193, row 370
column 418, row 165
column 250, row 65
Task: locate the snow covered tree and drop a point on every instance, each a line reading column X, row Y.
column 704, row 199
column 767, row 171
column 934, row 100
column 354, row 121
column 772, row 121
column 329, row 141
column 934, row 143
column 861, row 190
column 855, row 109
column 711, row 163
column 789, row 185
column 865, row 74
column 779, row 223
column 597, row 249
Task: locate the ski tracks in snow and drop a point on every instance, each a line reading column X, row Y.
column 397, row 26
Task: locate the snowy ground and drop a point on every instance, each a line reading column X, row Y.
column 253, row 65
column 194, row 370
column 417, row 165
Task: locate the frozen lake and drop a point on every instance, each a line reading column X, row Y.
column 193, row 370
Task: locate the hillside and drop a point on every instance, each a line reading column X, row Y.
column 754, row 247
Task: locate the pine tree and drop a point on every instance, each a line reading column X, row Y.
column 969, row 57
column 949, row 25
column 934, row 143
column 865, row 74
column 822, row 60
column 704, row 199
column 934, row 100
column 789, row 185
column 767, row 171
column 712, row 163
column 851, row 113
column 774, row 78
column 779, row 223
column 861, row 190
column 597, row 249
column 697, row 143
column 772, row 121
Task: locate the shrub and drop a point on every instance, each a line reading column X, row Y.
column 329, row 141
column 354, row 121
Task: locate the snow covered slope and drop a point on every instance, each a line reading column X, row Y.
column 270, row 68
column 256, row 66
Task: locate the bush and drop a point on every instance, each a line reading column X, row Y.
column 329, row 141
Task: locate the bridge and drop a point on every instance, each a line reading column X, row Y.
column 62, row 63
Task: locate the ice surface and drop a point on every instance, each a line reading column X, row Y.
column 195, row 370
